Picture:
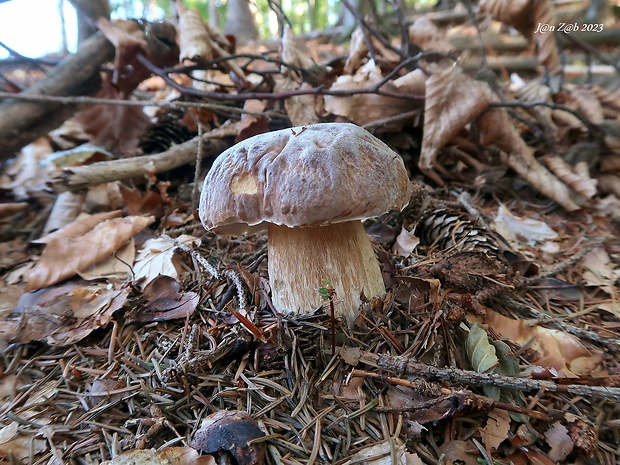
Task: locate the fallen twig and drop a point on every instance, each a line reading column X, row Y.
column 410, row 366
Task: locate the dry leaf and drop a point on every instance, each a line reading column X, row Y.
column 19, row 445
column 387, row 453
column 358, row 49
column 252, row 123
column 559, row 352
column 576, row 177
column 496, row 129
column 599, row 271
column 26, row 171
column 155, row 259
column 66, row 209
column 497, row 428
column 299, row 108
column 452, row 101
column 517, row 229
column 525, row 16
column 117, row 128
column 78, row 227
column 194, row 40
column 364, row 108
column 461, row 452
column 164, row 301
column 62, row 315
column 427, row 36
column 405, row 243
column 166, row 456
column 587, row 103
column 63, row 257
column 116, row 266
column 561, row 444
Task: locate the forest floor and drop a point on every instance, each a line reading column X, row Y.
column 497, row 341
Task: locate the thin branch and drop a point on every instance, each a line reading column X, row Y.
column 411, row 367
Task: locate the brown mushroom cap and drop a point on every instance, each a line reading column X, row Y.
column 304, row 176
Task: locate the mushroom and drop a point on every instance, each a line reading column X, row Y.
column 310, row 187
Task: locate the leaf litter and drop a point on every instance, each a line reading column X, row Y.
column 137, row 363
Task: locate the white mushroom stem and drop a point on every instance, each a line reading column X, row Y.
column 301, row 258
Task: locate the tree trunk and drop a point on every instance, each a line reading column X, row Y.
column 240, row 21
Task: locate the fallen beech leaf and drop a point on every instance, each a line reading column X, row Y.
column 9, row 209
column 576, row 177
column 117, row 128
column 405, row 243
column 62, row 315
column 587, row 103
column 165, row 301
column 514, row 228
column 79, row 227
column 26, row 172
column 252, row 124
column 497, row 428
column 231, row 431
column 561, row 444
column 460, row 452
column 425, row 34
column 387, row 453
column 452, row 101
column 560, row 352
column 65, row 256
column 155, row 259
column 599, row 271
column 525, row 16
column 166, row 456
column 358, row 49
column 364, row 108
column 299, row 108
column 19, row 445
column 194, row 40
column 497, row 129
column 117, row 266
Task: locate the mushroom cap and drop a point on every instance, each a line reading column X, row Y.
column 304, row 176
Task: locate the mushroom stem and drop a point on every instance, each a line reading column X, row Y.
column 301, row 258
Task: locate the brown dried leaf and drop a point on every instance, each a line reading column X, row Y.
column 386, row 453
column 194, row 39
column 166, row 456
column 562, row 353
column 78, row 227
column 452, row 101
column 609, row 184
column 405, row 243
column 425, row 34
column 496, row 129
column 155, row 258
column 9, row 209
column 364, row 108
column 525, row 15
column 576, row 177
column 299, row 108
column 252, row 124
column 117, row 128
column 27, row 172
column 165, row 301
column 62, row 315
column 587, row 103
column 497, row 428
column 536, row 91
column 515, row 228
column 17, row 444
column 357, row 51
column 561, row 444
column 65, row 256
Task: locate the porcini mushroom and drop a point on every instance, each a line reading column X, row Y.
column 311, row 187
